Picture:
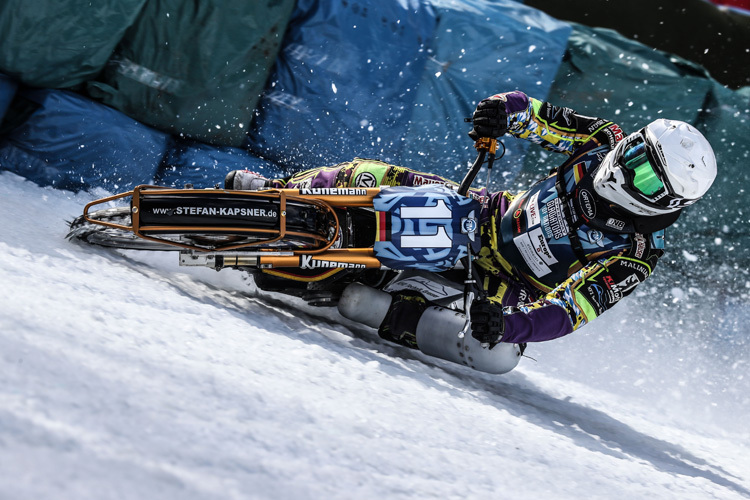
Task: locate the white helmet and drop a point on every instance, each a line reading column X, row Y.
column 662, row 168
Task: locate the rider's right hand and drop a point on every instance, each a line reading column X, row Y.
column 490, row 119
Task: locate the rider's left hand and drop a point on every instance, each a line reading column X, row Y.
column 487, row 324
column 490, row 119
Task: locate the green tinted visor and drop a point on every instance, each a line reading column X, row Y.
column 643, row 174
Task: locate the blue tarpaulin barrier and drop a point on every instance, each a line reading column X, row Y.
column 479, row 48
column 193, row 162
column 395, row 81
column 74, row 143
column 344, row 83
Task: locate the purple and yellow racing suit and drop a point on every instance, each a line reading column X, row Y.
column 555, row 256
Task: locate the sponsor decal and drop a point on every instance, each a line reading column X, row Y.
column 675, row 202
column 334, row 191
column 595, row 296
column 217, row 211
column 308, row 262
column 588, row 206
column 615, row 223
column 617, row 131
column 672, row 204
column 517, row 217
column 535, row 251
column 640, row 245
column 533, row 260
column 421, row 181
column 468, row 225
column 628, row 283
column 541, row 247
column 615, row 292
column 366, row 180
column 145, row 76
column 566, row 113
column 660, row 152
column 609, row 281
column 554, row 220
column 639, row 268
column 532, row 211
column 594, row 126
column 595, row 237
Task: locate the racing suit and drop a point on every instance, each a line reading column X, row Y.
column 555, row 256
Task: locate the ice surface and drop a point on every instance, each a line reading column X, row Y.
column 124, row 376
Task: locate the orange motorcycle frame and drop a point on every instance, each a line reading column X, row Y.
column 325, row 198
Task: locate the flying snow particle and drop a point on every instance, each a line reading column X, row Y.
column 689, row 256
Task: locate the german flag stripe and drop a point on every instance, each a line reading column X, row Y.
column 384, row 229
column 579, row 172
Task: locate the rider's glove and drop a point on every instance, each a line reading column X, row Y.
column 486, row 321
column 490, row 119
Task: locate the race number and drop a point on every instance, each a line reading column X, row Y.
column 440, row 239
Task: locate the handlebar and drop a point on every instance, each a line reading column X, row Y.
column 486, row 146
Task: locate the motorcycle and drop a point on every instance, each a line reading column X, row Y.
column 349, row 247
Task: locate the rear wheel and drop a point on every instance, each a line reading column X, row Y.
column 307, row 227
column 96, row 234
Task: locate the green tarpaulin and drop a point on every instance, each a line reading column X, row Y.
column 61, row 43
column 195, row 69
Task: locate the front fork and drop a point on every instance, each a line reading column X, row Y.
column 486, row 146
column 470, row 284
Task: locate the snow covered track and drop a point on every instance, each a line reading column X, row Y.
column 124, row 376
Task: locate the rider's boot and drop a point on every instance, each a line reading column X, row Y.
column 245, row 180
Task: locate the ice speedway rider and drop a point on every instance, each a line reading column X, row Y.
column 563, row 252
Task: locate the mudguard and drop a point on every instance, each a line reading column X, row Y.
column 426, row 227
